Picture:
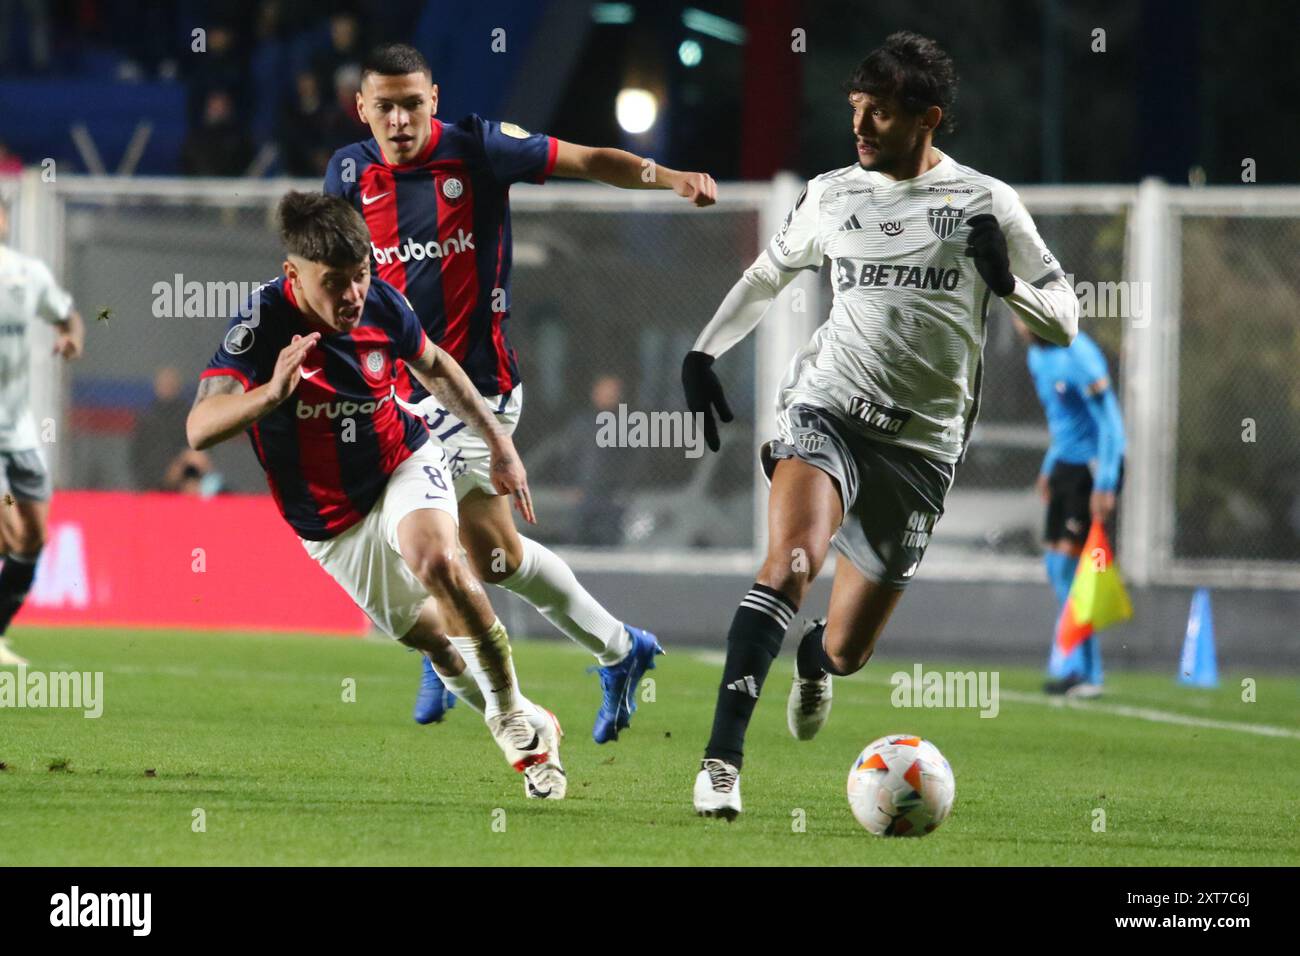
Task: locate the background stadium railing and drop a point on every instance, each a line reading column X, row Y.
column 1188, row 292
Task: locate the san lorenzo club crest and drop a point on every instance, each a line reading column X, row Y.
column 373, row 363
column 452, row 188
column 944, row 220
column 812, row 442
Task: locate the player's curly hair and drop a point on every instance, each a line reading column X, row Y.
column 323, row 228
column 912, row 69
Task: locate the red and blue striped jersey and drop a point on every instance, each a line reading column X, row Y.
column 329, row 448
column 440, row 233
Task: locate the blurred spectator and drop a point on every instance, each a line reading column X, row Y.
column 342, row 124
column 160, row 431
column 304, row 130
column 191, row 473
column 344, row 49
column 35, row 15
column 220, row 68
column 600, row 471
column 10, row 163
column 219, row 146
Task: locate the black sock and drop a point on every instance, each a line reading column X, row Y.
column 813, row 662
column 810, row 660
column 15, row 581
column 752, row 644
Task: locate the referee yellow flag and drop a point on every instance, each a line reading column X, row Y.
column 1097, row 596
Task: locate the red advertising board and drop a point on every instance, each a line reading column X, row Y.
column 159, row 560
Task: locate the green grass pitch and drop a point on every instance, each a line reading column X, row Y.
column 253, row 730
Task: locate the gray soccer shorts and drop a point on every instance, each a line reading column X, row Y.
column 23, row 474
column 892, row 496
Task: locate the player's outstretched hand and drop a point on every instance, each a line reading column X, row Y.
column 988, row 247
column 699, row 188
column 288, row 365
column 704, row 393
column 509, row 478
column 67, row 346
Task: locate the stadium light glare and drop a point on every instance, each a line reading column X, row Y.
column 636, row 110
column 612, row 13
column 690, row 53
column 711, row 25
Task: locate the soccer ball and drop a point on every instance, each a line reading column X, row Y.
column 901, row 785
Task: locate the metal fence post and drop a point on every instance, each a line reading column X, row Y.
column 1148, row 391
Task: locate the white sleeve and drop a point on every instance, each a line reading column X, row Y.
column 52, row 303
column 798, row 244
column 743, row 307
column 1051, row 311
column 1031, row 260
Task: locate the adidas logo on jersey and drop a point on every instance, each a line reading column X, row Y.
column 418, row 251
column 746, row 685
column 850, row 224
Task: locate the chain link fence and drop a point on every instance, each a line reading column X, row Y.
column 1238, row 456
column 611, row 287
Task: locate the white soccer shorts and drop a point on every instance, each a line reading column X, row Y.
column 468, row 456
column 365, row 559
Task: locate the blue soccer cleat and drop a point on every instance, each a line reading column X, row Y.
column 434, row 700
column 618, row 683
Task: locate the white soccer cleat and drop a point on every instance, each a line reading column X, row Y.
column 8, row 658
column 1084, row 691
column 808, row 706
column 532, row 752
column 717, row 790
column 547, row 780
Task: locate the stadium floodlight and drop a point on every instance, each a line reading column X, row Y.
column 636, row 110
column 711, row 25
column 612, row 13
column 690, row 53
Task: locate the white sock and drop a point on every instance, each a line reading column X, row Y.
column 547, row 583
column 464, row 686
column 488, row 660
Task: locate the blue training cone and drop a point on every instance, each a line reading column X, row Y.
column 1199, row 667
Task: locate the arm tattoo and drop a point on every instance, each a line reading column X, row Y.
column 448, row 383
column 217, row 385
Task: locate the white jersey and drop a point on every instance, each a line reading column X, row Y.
column 27, row 292
column 900, row 355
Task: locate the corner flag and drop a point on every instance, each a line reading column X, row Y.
column 1097, row 596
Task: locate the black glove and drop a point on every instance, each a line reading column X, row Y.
column 704, row 393
column 988, row 247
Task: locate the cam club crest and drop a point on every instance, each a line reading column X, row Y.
column 812, row 442
column 944, row 220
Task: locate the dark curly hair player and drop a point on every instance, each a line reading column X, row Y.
column 875, row 411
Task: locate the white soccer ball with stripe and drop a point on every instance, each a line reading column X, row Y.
column 901, row 785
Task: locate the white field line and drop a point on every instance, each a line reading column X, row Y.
column 1114, row 710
